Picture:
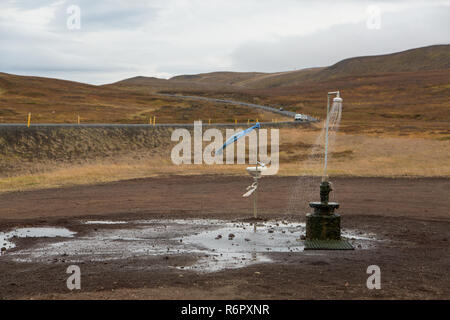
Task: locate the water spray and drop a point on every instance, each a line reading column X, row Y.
column 337, row 99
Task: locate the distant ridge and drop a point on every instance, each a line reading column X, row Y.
column 140, row 80
column 435, row 57
column 222, row 77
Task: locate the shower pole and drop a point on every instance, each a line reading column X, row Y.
column 255, row 197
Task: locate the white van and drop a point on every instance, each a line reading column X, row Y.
column 300, row 117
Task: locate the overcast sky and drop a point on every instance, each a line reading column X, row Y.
column 118, row 39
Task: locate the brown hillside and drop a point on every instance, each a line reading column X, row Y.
column 60, row 101
column 224, row 78
column 402, row 103
column 415, row 96
column 435, row 57
column 421, row 59
column 281, row 79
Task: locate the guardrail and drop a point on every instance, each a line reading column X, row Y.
column 161, row 125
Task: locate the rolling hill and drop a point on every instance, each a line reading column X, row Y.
column 60, row 101
column 435, row 57
column 385, row 97
column 222, row 78
column 409, row 87
column 421, row 59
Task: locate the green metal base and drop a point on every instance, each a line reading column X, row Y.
column 328, row 245
column 323, row 226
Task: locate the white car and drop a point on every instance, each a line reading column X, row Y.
column 300, row 117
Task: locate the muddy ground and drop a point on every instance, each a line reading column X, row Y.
column 409, row 217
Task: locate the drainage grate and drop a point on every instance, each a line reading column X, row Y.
column 328, row 245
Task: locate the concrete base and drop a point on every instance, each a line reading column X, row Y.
column 323, row 227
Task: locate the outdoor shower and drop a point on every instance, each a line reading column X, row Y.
column 323, row 226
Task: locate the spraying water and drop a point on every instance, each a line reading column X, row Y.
column 321, row 151
column 334, row 118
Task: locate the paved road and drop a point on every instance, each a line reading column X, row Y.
column 289, row 114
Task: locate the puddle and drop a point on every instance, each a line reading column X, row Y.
column 105, row 222
column 43, row 232
column 216, row 244
column 237, row 244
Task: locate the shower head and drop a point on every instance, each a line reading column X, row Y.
column 337, row 98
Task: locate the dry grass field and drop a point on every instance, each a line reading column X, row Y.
column 59, row 101
column 396, row 121
column 300, row 154
column 362, row 155
column 395, row 104
column 401, row 94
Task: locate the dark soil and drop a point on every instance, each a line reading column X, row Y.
column 412, row 214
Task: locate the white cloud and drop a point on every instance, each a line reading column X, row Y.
column 400, row 30
column 120, row 38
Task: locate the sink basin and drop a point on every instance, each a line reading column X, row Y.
column 256, row 171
